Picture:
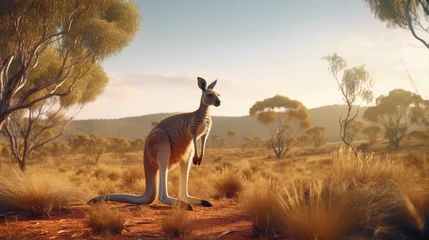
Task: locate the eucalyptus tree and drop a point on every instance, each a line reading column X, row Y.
column 50, row 55
column 284, row 118
column 355, row 86
column 79, row 33
column 411, row 14
column 315, row 135
column 396, row 113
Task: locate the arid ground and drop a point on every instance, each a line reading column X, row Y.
column 225, row 178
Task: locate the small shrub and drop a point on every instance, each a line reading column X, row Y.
column 131, row 175
column 36, row 193
column 331, row 208
column 261, row 204
column 114, row 175
column 104, row 187
column 363, row 147
column 228, row 183
column 104, row 219
column 366, row 168
column 201, row 187
column 177, row 222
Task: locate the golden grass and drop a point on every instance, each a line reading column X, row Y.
column 331, row 208
column 366, row 168
column 228, row 183
column 132, row 175
column 177, row 222
column 36, row 193
column 326, row 195
column 104, row 187
column 356, row 197
column 104, row 219
column 261, row 204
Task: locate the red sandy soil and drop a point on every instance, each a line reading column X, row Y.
column 142, row 223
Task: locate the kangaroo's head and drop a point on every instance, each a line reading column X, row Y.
column 209, row 97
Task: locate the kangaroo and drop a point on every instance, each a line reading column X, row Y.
column 174, row 141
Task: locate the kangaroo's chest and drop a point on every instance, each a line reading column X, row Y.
column 203, row 127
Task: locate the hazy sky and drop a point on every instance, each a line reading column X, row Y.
column 256, row 49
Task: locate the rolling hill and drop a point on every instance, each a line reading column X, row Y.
column 244, row 126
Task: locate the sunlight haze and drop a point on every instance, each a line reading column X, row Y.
column 256, row 49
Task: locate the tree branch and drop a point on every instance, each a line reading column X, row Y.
column 410, row 24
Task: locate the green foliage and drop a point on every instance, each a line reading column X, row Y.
column 285, row 119
column 119, row 146
column 53, row 49
column 392, row 12
column 355, row 83
column 355, row 86
column 412, row 14
column 89, row 144
column 58, row 148
column 396, row 112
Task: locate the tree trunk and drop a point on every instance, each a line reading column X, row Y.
column 396, row 144
column 22, row 165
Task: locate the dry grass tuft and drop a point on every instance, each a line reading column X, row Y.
column 131, row 175
column 228, row 183
column 366, row 168
column 36, row 193
column 261, row 204
column 104, row 219
column 177, row 222
column 331, row 208
column 104, row 187
column 358, row 197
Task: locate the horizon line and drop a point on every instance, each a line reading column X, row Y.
column 86, row 119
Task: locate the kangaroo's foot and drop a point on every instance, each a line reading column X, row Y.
column 197, row 201
column 205, row 203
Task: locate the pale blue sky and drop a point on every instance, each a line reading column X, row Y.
column 257, row 49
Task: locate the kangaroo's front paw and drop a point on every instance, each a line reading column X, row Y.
column 199, row 160
column 196, row 160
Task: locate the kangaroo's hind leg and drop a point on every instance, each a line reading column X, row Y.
column 161, row 148
column 185, row 166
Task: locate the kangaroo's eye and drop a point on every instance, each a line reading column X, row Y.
column 209, row 95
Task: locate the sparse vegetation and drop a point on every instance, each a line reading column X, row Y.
column 355, row 86
column 362, row 195
column 36, row 193
column 270, row 174
column 177, row 222
column 261, row 204
column 228, row 183
column 286, row 120
column 105, row 220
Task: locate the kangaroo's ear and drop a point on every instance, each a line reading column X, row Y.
column 212, row 85
column 202, row 83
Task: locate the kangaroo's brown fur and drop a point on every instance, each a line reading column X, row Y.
column 174, row 141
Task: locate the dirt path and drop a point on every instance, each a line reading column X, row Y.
column 208, row 223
